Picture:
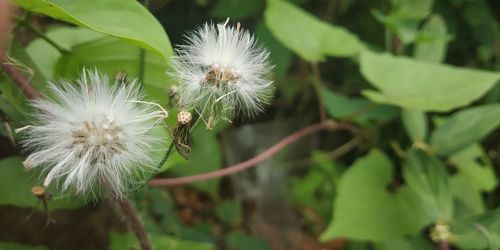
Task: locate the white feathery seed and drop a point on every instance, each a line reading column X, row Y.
column 92, row 137
column 222, row 72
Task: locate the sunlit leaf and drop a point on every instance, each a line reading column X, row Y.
column 465, row 128
column 432, row 41
column 125, row 19
column 424, row 86
column 309, row 37
column 415, row 124
column 426, row 176
column 365, row 210
column 111, row 55
column 474, row 165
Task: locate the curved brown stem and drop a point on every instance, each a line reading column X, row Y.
column 18, row 78
column 328, row 124
column 135, row 223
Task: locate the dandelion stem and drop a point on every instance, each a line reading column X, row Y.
column 135, row 223
column 18, row 78
column 327, row 124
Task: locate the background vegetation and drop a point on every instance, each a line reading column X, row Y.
column 417, row 79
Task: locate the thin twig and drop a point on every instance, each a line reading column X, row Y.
column 334, row 154
column 317, row 88
column 18, row 78
column 135, row 223
column 328, row 124
column 443, row 245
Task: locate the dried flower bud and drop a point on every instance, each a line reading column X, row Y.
column 184, row 117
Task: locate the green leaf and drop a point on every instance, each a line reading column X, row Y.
column 432, row 41
column 474, row 165
column 309, row 37
column 17, row 246
column 125, row 19
column 426, row 176
column 407, row 243
column 365, row 210
column 359, row 110
column 13, row 174
column 317, row 188
column 111, row 55
column 415, row 123
column 46, row 56
column 280, row 56
column 465, row 128
column 229, row 212
column 478, row 232
column 468, row 199
column 424, row 86
column 239, row 241
column 411, row 8
column 127, row 241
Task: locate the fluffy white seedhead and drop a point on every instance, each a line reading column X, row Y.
column 93, row 137
column 222, row 72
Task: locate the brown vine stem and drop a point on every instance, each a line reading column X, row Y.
column 135, row 223
column 327, row 124
column 443, row 245
column 18, row 78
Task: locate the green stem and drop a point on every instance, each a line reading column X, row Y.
column 43, row 36
column 171, row 146
column 142, row 62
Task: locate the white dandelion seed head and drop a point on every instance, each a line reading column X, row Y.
column 92, row 137
column 222, row 72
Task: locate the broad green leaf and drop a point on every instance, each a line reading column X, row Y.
column 365, row 210
column 474, row 165
column 468, row 199
column 465, row 128
column 18, row 246
column 111, row 55
column 279, row 55
column 239, row 241
column 426, row 176
column 431, row 43
column 125, row 19
column 415, row 124
column 45, row 56
column 13, row 174
column 119, row 241
column 404, row 27
column 359, row 110
column 412, row 8
column 309, row 37
column 407, row 243
column 413, row 84
column 478, row 232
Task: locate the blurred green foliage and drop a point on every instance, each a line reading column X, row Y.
column 419, row 78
